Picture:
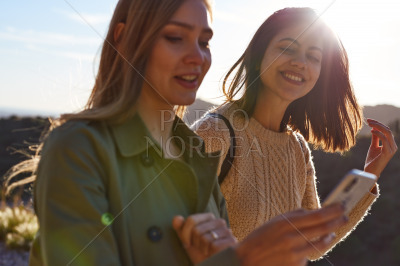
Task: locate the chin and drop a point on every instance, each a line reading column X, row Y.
column 186, row 100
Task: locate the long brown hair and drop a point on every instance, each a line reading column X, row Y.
column 121, row 71
column 328, row 116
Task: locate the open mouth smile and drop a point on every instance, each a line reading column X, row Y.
column 293, row 77
column 189, row 81
column 188, row 78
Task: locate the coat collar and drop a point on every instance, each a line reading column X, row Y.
column 132, row 138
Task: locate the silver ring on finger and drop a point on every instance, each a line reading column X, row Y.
column 214, row 235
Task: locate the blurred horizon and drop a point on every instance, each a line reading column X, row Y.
column 24, row 112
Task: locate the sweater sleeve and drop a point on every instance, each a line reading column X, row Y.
column 311, row 201
column 215, row 134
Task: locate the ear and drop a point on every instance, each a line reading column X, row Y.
column 117, row 31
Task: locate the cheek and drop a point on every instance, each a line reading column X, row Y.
column 207, row 62
column 315, row 72
column 162, row 61
column 271, row 62
column 264, row 65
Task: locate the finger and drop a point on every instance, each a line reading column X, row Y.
column 204, row 233
column 221, row 244
column 389, row 140
column 203, row 241
column 313, row 232
column 319, row 246
column 374, row 140
column 377, row 124
column 209, row 225
column 386, row 146
column 317, row 217
column 191, row 223
column 215, row 238
column 221, row 233
column 177, row 224
column 206, row 241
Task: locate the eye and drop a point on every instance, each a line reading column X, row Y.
column 314, row 58
column 205, row 44
column 287, row 50
column 173, row 39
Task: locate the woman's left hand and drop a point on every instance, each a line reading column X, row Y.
column 203, row 235
column 379, row 156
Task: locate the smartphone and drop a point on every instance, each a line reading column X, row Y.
column 353, row 186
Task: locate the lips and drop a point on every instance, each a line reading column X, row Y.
column 189, row 81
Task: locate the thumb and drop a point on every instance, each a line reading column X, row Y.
column 177, row 223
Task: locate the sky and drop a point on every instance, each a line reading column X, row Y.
column 49, row 50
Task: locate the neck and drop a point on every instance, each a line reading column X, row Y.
column 269, row 112
column 158, row 121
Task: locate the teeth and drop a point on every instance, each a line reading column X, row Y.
column 189, row 77
column 292, row 77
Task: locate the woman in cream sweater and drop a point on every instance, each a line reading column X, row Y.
column 295, row 87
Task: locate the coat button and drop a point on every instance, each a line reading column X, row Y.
column 147, row 160
column 154, row 233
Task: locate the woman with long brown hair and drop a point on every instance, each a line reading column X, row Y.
column 292, row 86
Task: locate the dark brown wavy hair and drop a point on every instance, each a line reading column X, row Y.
column 329, row 115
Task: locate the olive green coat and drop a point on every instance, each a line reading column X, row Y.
column 104, row 195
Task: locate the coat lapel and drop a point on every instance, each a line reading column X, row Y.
column 132, row 136
column 204, row 164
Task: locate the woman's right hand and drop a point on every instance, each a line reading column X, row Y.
column 289, row 238
column 203, row 235
column 378, row 156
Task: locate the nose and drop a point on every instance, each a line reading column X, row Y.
column 300, row 61
column 195, row 55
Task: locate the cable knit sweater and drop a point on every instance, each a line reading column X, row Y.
column 272, row 173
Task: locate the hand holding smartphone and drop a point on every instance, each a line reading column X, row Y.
column 353, row 186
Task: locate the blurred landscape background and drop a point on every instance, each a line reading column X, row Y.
column 376, row 241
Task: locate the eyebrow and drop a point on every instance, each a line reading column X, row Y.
column 188, row 26
column 297, row 43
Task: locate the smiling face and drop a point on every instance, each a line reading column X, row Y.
column 292, row 63
column 180, row 57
